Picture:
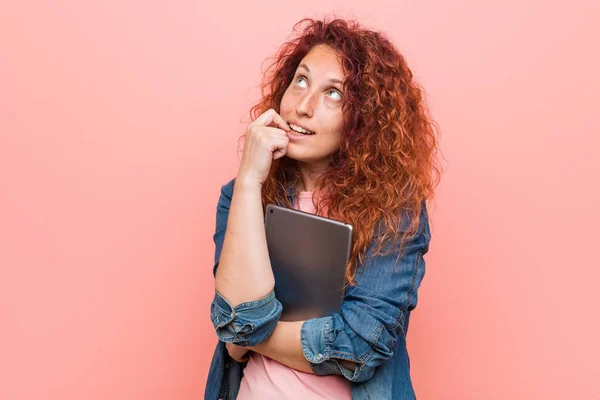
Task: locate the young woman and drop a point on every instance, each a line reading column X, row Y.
column 343, row 131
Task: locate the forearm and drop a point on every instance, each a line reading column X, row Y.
column 285, row 347
column 244, row 271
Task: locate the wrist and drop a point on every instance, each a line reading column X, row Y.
column 247, row 183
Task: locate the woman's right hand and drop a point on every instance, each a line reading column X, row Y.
column 266, row 140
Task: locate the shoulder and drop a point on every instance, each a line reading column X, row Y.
column 226, row 195
column 406, row 220
column 424, row 219
column 418, row 233
column 423, row 232
column 227, row 189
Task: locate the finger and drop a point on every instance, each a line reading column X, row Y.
column 271, row 117
column 279, row 147
column 277, row 154
column 275, row 131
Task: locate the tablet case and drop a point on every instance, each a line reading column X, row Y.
column 309, row 255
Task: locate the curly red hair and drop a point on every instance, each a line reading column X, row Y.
column 386, row 164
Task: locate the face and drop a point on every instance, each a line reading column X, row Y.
column 313, row 101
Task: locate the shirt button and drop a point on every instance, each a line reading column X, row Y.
column 233, row 314
column 319, row 356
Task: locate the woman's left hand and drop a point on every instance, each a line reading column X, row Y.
column 238, row 353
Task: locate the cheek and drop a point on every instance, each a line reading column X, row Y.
column 334, row 138
column 336, row 126
column 285, row 101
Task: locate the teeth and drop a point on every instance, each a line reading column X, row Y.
column 300, row 129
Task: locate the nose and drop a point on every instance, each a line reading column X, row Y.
column 306, row 104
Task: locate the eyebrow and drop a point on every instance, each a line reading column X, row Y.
column 330, row 80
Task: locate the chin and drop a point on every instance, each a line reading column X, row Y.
column 297, row 156
column 291, row 154
column 302, row 156
column 294, row 157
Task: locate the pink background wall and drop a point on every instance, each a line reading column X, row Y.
column 119, row 123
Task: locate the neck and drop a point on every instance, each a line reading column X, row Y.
column 310, row 174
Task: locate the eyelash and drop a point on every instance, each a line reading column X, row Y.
column 330, row 90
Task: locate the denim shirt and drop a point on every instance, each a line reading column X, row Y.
column 370, row 329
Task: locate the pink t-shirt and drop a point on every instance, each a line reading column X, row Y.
column 267, row 379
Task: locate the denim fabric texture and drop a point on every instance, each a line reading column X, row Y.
column 370, row 330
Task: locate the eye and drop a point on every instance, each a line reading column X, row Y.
column 339, row 95
column 299, row 79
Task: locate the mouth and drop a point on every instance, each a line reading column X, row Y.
column 299, row 130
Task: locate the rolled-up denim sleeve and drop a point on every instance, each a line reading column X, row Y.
column 367, row 328
column 249, row 323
